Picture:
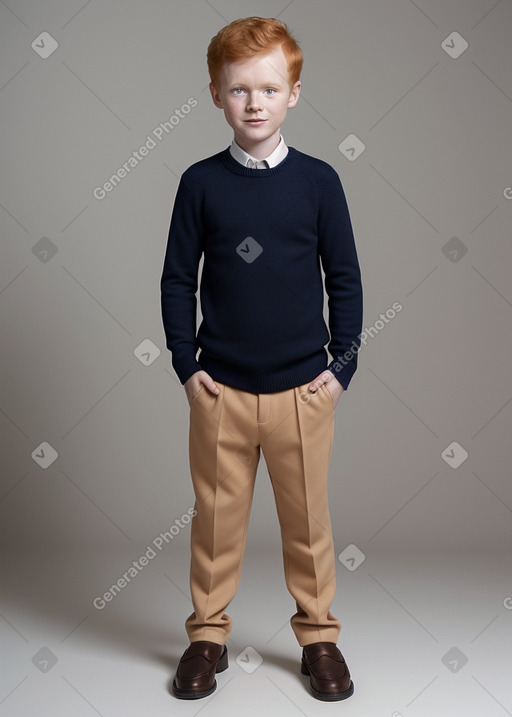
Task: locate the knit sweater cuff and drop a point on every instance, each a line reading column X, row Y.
column 343, row 370
column 185, row 366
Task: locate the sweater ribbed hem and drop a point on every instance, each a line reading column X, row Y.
column 297, row 375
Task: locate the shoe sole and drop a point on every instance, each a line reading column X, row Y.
column 327, row 696
column 195, row 694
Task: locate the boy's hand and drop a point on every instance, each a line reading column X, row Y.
column 333, row 385
column 194, row 383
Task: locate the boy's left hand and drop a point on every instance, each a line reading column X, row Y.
column 333, row 385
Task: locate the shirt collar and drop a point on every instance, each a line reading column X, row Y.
column 272, row 160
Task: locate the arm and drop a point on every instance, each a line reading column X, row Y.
column 342, row 278
column 179, row 282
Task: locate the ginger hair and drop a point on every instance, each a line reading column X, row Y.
column 252, row 36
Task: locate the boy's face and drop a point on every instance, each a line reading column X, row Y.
column 254, row 94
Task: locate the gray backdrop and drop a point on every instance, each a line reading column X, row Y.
column 93, row 419
column 410, row 101
column 84, row 363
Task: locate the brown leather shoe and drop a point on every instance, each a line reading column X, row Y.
column 329, row 674
column 195, row 676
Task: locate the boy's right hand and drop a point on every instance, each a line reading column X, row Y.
column 193, row 384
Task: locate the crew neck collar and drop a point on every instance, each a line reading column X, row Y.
column 234, row 166
column 272, row 160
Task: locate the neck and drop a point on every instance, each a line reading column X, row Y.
column 260, row 150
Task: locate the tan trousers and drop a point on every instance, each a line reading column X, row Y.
column 294, row 429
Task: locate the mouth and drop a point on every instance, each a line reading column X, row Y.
column 255, row 121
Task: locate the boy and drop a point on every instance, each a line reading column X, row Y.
column 263, row 215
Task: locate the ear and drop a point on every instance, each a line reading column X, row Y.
column 294, row 94
column 215, row 96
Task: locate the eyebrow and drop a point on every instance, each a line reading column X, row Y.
column 233, row 85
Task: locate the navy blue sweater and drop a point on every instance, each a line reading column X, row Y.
column 262, row 234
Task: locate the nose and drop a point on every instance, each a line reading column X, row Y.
column 253, row 102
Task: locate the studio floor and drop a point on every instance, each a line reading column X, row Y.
column 423, row 635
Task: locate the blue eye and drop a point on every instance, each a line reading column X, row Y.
column 270, row 90
column 237, row 90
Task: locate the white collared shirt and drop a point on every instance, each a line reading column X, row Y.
column 277, row 156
